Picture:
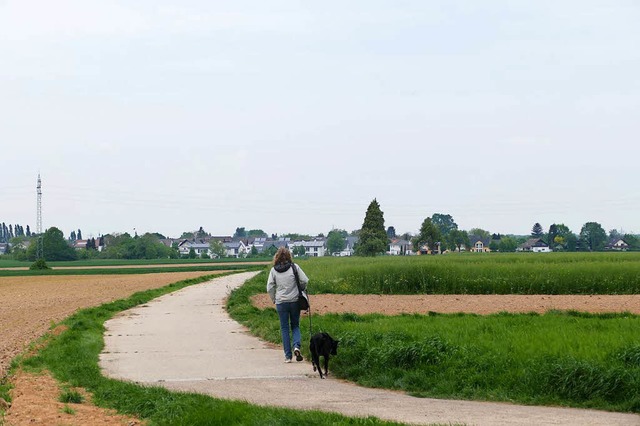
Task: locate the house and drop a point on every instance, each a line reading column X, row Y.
column 268, row 244
column 200, row 248
column 350, row 246
column 617, row 244
column 536, row 245
column 4, row 247
column 236, row 248
column 258, row 243
column 315, row 248
column 426, row 250
column 400, row 247
column 478, row 244
column 80, row 244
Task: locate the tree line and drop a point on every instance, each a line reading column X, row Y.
column 440, row 233
column 13, row 231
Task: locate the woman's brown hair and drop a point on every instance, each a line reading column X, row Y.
column 283, row 255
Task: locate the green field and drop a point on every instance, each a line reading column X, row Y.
column 8, row 263
column 523, row 273
column 129, row 271
column 560, row 358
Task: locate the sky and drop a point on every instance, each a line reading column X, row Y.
column 292, row 116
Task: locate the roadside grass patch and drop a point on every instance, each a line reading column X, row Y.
column 68, row 410
column 71, row 396
column 558, row 358
column 72, row 357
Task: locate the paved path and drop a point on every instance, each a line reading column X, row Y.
column 186, row 341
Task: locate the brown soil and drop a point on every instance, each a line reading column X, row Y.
column 475, row 304
column 35, row 402
column 29, row 306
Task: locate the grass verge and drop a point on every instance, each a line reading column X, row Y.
column 72, row 357
column 560, row 358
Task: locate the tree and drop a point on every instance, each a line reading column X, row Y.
column 192, row 253
column 485, row 235
column 457, row 239
column 373, row 238
column 240, row 233
column 632, row 240
column 444, row 223
column 257, row 233
column 79, row 234
column 593, row 235
column 615, row 235
column 299, row 251
column 54, row 246
column 336, row 241
column 507, row 244
column 391, row 232
column 537, row 231
column 406, row 236
column 429, row 235
column 217, row 248
column 551, row 236
column 561, row 238
column 72, row 236
column 201, row 233
column 297, row 237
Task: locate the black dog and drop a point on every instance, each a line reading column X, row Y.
column 322, row 345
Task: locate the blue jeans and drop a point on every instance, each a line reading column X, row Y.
column 289, row 312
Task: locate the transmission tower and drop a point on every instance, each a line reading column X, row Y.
column 39, row 247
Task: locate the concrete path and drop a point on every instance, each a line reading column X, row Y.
column 186, row 341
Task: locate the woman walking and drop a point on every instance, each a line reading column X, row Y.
column 283, row 290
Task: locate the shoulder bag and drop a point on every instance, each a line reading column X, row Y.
column 303, row 297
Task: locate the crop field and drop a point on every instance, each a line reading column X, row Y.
column 557, row 358
column 523, row 273
column 9, row 263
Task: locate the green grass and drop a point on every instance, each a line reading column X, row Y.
column 560, row 358
column 68, row 410
column 524, row 273
column 71, row 396
column 8, row 263
column 72, row 357
column 129, row 271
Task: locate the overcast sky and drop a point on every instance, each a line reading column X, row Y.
column 293, row 116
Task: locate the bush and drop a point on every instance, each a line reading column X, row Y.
column 38, row 265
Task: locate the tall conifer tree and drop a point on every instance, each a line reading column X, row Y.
column 373, row 237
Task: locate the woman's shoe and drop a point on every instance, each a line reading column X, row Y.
column 296, row 352
column 287, row 360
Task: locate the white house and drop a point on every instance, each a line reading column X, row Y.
column 315, row 248
column 236, row 249
column 399, row 247
column 617, row 244
column 349, row 248
column 535, row 245
column 200, row 248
